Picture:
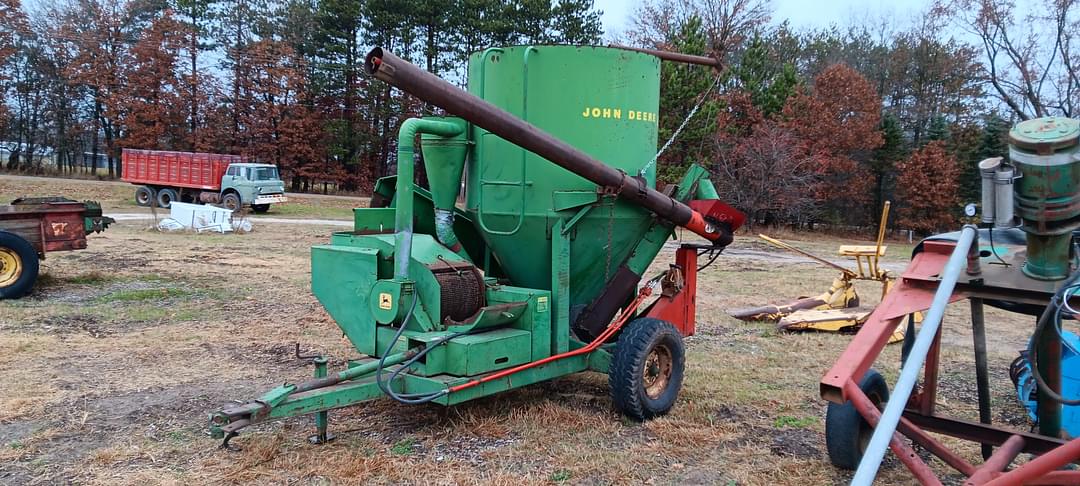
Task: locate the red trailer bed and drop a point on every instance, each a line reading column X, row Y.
column 175, row 169
column 31, row 227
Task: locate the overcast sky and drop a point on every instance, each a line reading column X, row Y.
column 800, row 13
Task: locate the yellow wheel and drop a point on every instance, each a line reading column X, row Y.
column 11, row 267
column 18, row 266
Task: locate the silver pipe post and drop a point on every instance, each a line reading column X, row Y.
column 909, row 375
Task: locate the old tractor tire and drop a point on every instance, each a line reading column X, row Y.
column 260, row 208
column 846, row 433
column 144, row 196
column 647, row 367
column 18, row 266
column 166, row 196
column 231, row 201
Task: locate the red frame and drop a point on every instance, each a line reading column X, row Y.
column 680, row 308
column 914, row 292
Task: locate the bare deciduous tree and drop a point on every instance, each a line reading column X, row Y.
column 726, row 22
column 1028, row 62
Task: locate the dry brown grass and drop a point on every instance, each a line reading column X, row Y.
column 110, row 369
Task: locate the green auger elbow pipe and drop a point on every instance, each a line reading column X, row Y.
column 403, row 215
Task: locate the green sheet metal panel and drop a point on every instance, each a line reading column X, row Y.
column 341, row 277
column 493, row 350
column 603, row 101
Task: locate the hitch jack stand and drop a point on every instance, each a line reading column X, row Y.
column 321, row 418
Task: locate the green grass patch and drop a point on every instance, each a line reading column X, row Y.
column 403, row 447
column 178, row 436
column 789, row 422
column 156, row 313
column 308, row 209
column 560, row 476
column 91, row 278
column 139, row 295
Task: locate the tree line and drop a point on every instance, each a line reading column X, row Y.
column 800, row 127
column 823, row 126
column 279, row 81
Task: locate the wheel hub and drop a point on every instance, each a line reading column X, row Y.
column 10, row 267
column 657, row 371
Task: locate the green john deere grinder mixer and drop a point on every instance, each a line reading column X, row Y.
column 540, row 272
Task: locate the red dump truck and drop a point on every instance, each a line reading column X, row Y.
column 163, row 177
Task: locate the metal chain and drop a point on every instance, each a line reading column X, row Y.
column 701, row 99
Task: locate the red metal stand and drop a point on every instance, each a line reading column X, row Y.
column 913, row 292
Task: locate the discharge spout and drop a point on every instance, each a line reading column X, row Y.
column 432, row 89
column 403, row 214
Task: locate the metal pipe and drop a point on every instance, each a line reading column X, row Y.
column 1048, row 360
column 997, row 462
column 403, row 212
column 1044, row 464
column 432, row 89
column 904, row 452
column 674, row 56
column 982, row 375
column 909, row 374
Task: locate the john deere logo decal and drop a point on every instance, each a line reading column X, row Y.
column 385, row 301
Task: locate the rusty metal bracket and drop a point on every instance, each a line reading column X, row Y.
column 304, row 357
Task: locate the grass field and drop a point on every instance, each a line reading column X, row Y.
column 111, row 366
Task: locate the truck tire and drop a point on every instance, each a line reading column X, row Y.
column 846, row 433
column 144, row 196
column 231, row 201
column 260, row 208
column 165, row 197
column 646, row 370
column 18, row 266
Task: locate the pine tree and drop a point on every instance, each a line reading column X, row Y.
column 196, row 19
column 994, row 140
column 575, row 22
column 681, row 86
column 883, row 162
column 770, row 84
column 938, row 130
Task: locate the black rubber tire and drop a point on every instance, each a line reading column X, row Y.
column 260, row 208
column 626, row 375
column 144, row 196
column 28, row 260
column 231, row 201
column 166, row 196
column 846, row 432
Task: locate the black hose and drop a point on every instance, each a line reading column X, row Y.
column 716, row 253
column 1051, row 316
column 409, row 398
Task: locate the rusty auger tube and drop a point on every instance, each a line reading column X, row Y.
column 432, row 89
column 674, row 56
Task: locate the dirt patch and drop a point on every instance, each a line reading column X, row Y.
column 74, row 323
column 12, row 433
column 800, row 443
column 61, row 292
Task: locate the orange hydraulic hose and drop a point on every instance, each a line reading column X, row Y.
column 610, row 330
